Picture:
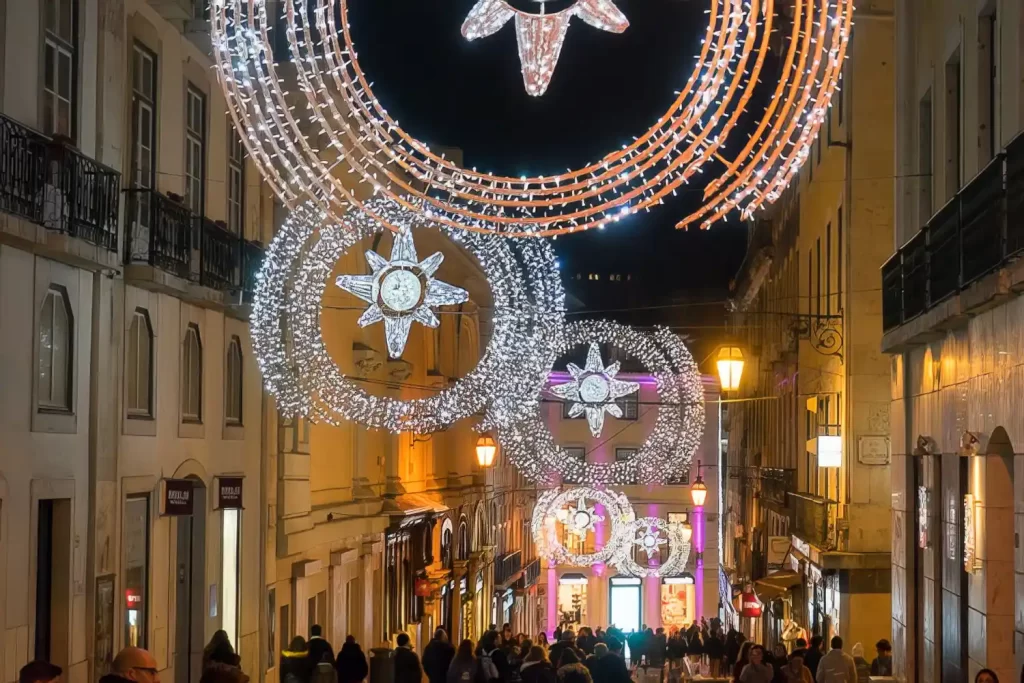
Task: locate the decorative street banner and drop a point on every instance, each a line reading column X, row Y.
column 229, row 493
column 178, row 497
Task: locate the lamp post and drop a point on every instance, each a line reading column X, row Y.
column 699, row 493
column 486, row 449
column 730, row 367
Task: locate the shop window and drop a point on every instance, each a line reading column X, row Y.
column 230, row 572
column 136, row 570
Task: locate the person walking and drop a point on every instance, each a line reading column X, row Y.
column 132, row 665
column 536, row 668
column 39, row 671
column 756, row 671
column 714, row 648
column 491, row 661
column 463, row 667
column 407, row 662
column 295, row 666
column 219, row 650
column 742, row 659
column 437, row 657
column 657, row 649
column 568, row 642
column 986, row 676
column 795, row 671
column 778, row 662
column 882, row 663
column 836, row 666
column 606, row 667
column 586, row 641
column 571, row 670
column 813, row 657
column 863, row 667
column 318, row 646
column 351, row 662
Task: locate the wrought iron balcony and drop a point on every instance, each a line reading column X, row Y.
column 811, row 520
column 218, row 255
column 979, row 230
column 53, row 185
column 506, row 567
column 532, row 573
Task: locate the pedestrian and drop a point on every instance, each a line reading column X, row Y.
column 742, row 659
column 778, row 662
column 606, row 667
column 407, row 662
column 863, row 667
column 795, row 670
column 813, row 656
column 437, row 657
column 657, row 649
column 218, row 672
column 295, row 665
column 571, row 670
column 324, row 671
column 491, row 661
column 351, row 663
column 542, row 640
column 836, row 666
column 536, row 668
column 132, row 664
column 586, row 641
column 801, row 647
column 318, row 645
column 732, row 646
column 756, row 671
column 568, row 642
column 882, row 664
column 714, row 648
column 675, row 649
column 39, row 671
column 986, row 676
column 219, row 650
column 463, row 667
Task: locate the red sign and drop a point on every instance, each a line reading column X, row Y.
column 422, row 588
column 132, row 599
column 750, row 606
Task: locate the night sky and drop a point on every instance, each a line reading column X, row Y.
column 606, row 89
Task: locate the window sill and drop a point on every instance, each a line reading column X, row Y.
column 146, row 417
column 44, row 410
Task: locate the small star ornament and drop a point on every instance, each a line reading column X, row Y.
column 401, row 290
column 540, row 36
column 594, row 390
column 650, row 541
column 581, row 519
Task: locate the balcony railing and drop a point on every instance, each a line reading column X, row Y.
column 811, row 519
column 165, row 234
column 53, row 185
column 776, row 484
column 977, row 231
column 532, row 573
column 506, row 567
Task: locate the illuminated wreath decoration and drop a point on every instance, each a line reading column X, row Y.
column 668, row 448
column 648, row 534
column 298, row 370
column 551, row 510
column 365, row 141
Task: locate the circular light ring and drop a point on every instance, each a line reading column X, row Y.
column 679, row 549
column 617, row 512
column 668, row 448
column 528, row 303
column 623, row 182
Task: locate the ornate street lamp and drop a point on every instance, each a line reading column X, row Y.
column 486, row 449
column 699, row 493
column 730, row 367
column 699, row 490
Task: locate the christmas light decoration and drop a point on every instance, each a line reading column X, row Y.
column 528, row 303
column 540, row 36
column 650, row 533
column 569, row 508
column 401, row 290
column 672, row 441
column 307, row 135
column 594, row 390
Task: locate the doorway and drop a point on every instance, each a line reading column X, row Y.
column 52, row 581
column 625, row 605
column 190, row 636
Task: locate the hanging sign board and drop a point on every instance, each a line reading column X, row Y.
column 750, row 606
column 229, row 493
column 178, row 498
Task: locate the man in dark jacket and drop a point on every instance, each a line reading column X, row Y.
column 39, row 671
column 813, row 656
column 407, row 663
column 606, row 667
column 318, row 646
column 437, row 657
column 568, row 642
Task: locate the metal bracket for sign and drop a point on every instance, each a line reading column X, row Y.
column 825, row 332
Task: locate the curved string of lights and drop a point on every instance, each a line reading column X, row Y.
column 325, row 124
column 576, row 511
column 528, row 305
column 647, row 535
column 669, row 446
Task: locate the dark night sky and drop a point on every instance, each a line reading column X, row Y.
column 607, row 88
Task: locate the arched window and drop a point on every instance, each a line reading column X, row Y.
column 139, row 365
column 192, row 375
column 233, row 385
column 463, row 550
column 446, row 545
column 56, row 336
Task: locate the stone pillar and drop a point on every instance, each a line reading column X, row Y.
column 366, row 361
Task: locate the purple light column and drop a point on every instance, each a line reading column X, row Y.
column 552, row 601
column 698, row 541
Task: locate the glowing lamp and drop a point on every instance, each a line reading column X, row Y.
column 699, row 490
column 730, row 367
column 486, row 449
column 830, row 451
column 687, row 533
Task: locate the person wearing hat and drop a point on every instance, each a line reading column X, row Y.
column 882, row 665
column 39, row 672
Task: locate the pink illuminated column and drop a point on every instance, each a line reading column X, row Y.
column 698, row 542
column 552, row 601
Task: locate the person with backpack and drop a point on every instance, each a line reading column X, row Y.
column 492, row 664
column 463, row 667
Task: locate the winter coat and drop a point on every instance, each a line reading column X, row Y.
column 757, row 673
column 574, row 671
column 610, row 668
column 555, row 653
column 460, row 671
column 837, row 667
column 295, row 667
column 714, row 648
column 492, row 666
column 437, row 657
column 351, row 664
column 863, row 669
column 318, row 647
column 882, row 666
column 802, row 676
column 656, row 647
column 586, row 644
column 537, row 672
column 407, row 666
column 324, row 672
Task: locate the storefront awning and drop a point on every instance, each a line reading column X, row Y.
column 415, row 504
column 776, row 584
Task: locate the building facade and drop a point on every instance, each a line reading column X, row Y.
column 807, row 472
column 952, row 320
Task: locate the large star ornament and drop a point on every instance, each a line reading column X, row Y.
column 650, row 540
column 401, row 290
column 540, row 36
column 594, row 389
column 581, row 519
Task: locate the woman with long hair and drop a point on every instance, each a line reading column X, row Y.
column 742, row 660
column 542, row 640
column 463, row 666
column 571, row 670
column 295, row 664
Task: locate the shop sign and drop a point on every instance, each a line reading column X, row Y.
column 463, row 585
column 778, row 548
column 923, row 501
column 132, row 599
column 479, row 582
column 229, row 493
column 422, row 588
column 970, row 549
column 178, row 498
column 750, row 606
column 873, row 450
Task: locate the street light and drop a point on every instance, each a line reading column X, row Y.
column 730, row 367
column 699, row 490
column 699, row 493
column 486, row 449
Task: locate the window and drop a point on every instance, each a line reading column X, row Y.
column 566, row 407
column 58, row 67
column 192, row 376
column 195, row 149
column 954, row 116
column 629, row 404
column 284, row 627
column 271, row 628
column 56, row 336
column 233, row 399
column 624, row 455
column 230, row 573
column 574, row 453
column 988, row 49
column 139, row 365
column 236, row 184
column 136, row 569
column 143, row 147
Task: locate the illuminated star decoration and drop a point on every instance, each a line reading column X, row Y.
column 650, row 540
column 581, row 518
column 540, row 36
column 594, row 389
column 401, row 290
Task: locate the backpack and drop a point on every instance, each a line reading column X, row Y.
column 486, row 670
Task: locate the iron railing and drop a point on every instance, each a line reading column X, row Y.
column 811, row 519
column 976, row 232
column 532, row 573
column 506, row 567
column 53, row 185
column 219, row 254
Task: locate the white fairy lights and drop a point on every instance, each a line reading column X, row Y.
column 673, row 439
column 540, row 36
column 593, row 390
column 647, row 535
column 528, row 303
column 568, row 509
column 307, row 134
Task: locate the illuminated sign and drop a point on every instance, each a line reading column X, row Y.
column 970, row 549
column 923, row 499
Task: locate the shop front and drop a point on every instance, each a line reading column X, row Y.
column 572, row 600
column 678, row 602
column 779, row 592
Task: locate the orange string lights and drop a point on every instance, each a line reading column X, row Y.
column 326, row 124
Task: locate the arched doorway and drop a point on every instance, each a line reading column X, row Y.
column 190, row 583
